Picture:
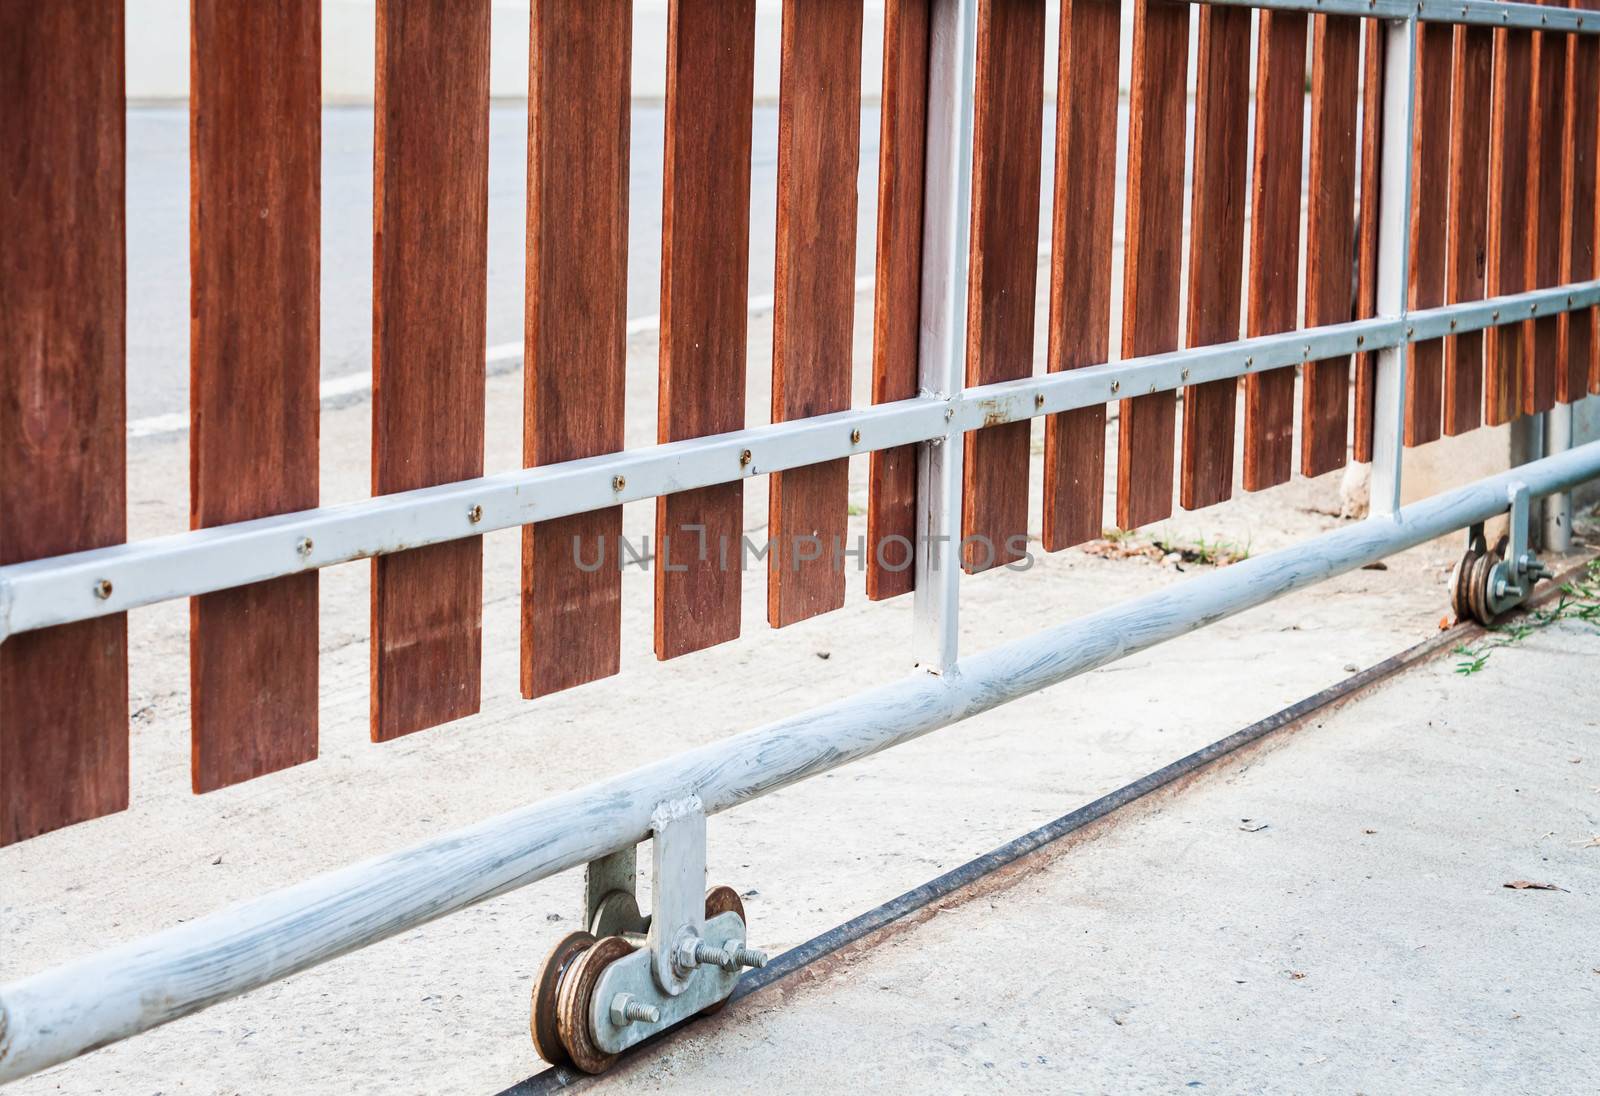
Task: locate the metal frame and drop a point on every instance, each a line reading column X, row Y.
column 60, row 1013
column 61, row 589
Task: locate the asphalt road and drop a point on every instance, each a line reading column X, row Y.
column 158, row 234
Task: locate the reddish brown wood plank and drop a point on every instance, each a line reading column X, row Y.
column 63, row 690
column 1509, row 166
column 1275, row 241
column 1430, row 180
column 430, row 260
column 897, row 294
column 1366, row 364
column 575, row 332
column 1080, row 262
column 1330, row 228
column 1216, row 246
column 705, row 265
column 1008, row 128
column 1472, row 74
column 1151, row 279
column 255, row 111
column 1580, row 350
column 819, row 143
column 1545, row 228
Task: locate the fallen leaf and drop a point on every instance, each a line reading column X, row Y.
column 1576, row 760
column 1250, row 826
column 1297, row 974
column 1592, row 843
column 1377, row 565
column 1444, row 623
column 1524, row 884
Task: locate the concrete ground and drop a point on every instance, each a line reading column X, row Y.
column 445, row 1008
column 1331, row 912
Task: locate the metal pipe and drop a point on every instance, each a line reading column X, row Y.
column 1558, row 505
column 1394, row 260
column 63, row 1012
column 61, row 589
column 942, row 350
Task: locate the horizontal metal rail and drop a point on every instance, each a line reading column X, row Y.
column 1479, row 12
column 63, row 1012
column 61, row 589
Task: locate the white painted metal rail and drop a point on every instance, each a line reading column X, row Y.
column 61, row 589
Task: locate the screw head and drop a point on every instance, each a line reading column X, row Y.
column 475, row 514
column 102, row 589
column 744, row 458
column 855, row 437
column 304, row 547
column 618, row 483
column 1116, row 386
column 1185, row 375
column 1038, row 400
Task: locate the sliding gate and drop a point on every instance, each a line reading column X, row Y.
column 1417, row 182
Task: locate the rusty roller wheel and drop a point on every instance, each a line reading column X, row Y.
column 722, row 899
column 546, row 990
column 1460, row 582
column 573, row 999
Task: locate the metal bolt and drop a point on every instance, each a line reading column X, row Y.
column 1116, row 386
column 102, row 589
column 855, row 437
column 304, row 547
column 744, row 459
column 1452, row 325
column 1248, row 362
column 949, row 413
column 1038, row 400
column 475, row 514
column 1495, row 315
column 694, row 953
column 746, row 957
column 1361, row 340
column 1410, row 331
column 1185, row 375
column 626, row 1010
column 1533, row 308
column 618, row 483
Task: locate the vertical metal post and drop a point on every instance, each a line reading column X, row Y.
column 1394, row 260
column 947, row 215
column 1558, row 507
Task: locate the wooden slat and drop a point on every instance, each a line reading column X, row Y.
column 1430, row 188
column 575, row 336
column 897, row 293
column 1580, row 349
column 705, row 265
column 1275, row 241
column 255, row 110
column 1510, row 106
column 1216, row 246
column 1008, row 128
column 1152, row 281
column 430, row 258
column 1545, row 228
column 1472, row 74
column 64, row 690
column 1366, row 363
column 1330, row 228
column 1080, row 262
column 819, row 148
